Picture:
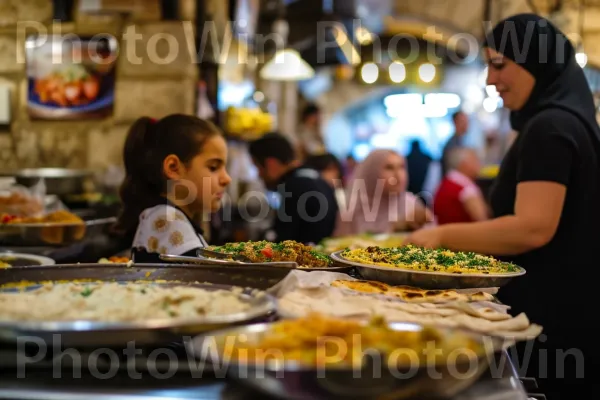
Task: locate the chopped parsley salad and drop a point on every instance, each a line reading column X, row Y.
column 289, row 250
column 429, row 260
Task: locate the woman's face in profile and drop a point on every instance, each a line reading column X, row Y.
column 394, row 174
column 513, row 82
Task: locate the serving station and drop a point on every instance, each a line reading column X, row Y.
column 505, row 385
column 78, row 323
column 104, row 356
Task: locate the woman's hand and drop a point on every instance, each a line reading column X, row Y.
column 430, row 238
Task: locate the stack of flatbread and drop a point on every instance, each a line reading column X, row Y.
column 342, row 296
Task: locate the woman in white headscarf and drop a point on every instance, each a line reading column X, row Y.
column 377, row 200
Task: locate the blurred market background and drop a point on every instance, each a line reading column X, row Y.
column 203, row 57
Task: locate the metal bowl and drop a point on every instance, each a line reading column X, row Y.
column 24, row 260
column 295, row 381
column 82, row 333
column 58, row 181
column 53, row 234
column 428, row 280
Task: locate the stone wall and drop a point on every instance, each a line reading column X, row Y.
column 142, row 88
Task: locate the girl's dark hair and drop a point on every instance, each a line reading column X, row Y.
column 148, row 143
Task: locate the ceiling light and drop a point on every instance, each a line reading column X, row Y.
column 444, row 100
column 403, row 100
column 287, row 65
column 397, row 72
column 363, row 36
column 427, row 72
column 369, row 73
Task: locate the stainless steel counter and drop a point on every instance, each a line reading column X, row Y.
column 39, row 384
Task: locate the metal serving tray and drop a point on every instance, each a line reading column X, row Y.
column 52, row 234
column 500, row 383
column 244, row 276
column 373, row 381
column 201, row 260
column 24, row 260
column 427, row 280
column 92, row 333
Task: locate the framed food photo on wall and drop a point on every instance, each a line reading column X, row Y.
column 70, row 77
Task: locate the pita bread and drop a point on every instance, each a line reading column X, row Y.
column 477, row 317
column 488, row 313
column 411, row 294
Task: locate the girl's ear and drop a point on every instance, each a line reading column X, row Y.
column 173, row 168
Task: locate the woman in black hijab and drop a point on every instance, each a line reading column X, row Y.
column 546, row 200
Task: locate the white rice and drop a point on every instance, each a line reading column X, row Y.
column 116, row 302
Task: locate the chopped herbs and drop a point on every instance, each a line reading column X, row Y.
column 86, row 292
column 438, row 260
column 288, row 250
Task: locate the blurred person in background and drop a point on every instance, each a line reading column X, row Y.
column 418, row 166
column 459, row 199
column 545, row 203
column 331, row 171
column 377, row 200
column 328, row 166
column 309, row 207
column 461, row 127
column 310, row 137
column 349, row 167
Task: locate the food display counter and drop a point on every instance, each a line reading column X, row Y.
column 269, row 286
column 502, row 384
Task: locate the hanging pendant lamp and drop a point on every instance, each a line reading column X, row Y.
column 287, row 65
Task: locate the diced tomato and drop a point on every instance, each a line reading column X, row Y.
column 7, row 218
column 267, row 252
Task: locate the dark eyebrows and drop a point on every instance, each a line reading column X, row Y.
column 216, row 161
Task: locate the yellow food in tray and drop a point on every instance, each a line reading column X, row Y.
column 58, row 226
column 61, row 216
column 115, row 260
column 331, row 245
column 429, row 260
column 313, row 340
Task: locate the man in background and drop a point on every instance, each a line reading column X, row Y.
column 461, row 127
column 458, row 198
column 308, row 209
column 310, row 138
column 418, row 166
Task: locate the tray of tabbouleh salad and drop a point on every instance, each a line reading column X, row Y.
column 289, row 251
column 429, row 268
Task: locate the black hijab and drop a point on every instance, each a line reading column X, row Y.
column 543, row 50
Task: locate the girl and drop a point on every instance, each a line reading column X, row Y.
column 377, row 200
column 175, row 172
